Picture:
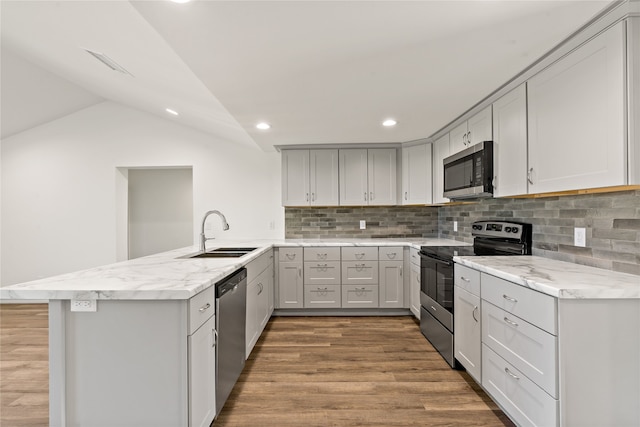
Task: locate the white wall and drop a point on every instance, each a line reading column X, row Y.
column 60, row 206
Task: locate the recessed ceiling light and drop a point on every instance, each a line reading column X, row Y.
column 263, row 126
column 389, row 123
column 170, row 111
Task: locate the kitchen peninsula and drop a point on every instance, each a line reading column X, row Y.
column 134, row 353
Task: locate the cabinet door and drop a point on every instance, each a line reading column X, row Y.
column 295, row 178
column 458, row 138
column 416, row 175
column 510, row 143
column 251, row 326
column 440, row 152
column 414, row 286
column 323, row 178
column 290, row 290
column 391, row 285
column 202, row 374
column 467, row 339
column 576, row 118
column 353, row 177
column 264, row 300
column 382, row 177
column 480, row 127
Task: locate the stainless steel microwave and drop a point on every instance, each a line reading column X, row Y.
column 469, row 173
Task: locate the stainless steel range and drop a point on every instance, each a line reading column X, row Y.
column 436, row 285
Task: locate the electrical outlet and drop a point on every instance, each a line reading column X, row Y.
column 580, row 237
column 363, row 224
column 84, row 305
column 455, row 225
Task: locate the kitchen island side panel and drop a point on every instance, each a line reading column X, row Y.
column 123, row 365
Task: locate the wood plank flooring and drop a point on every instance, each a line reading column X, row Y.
column 304, row 371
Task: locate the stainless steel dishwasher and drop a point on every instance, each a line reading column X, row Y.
column 231, row 300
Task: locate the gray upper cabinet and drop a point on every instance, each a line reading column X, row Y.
column 310, row 177
column 416, row 174
column 510, row 143
column 368, row 177
column 576, row 118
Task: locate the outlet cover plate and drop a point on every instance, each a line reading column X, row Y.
column 580, row 237
column 84, row 305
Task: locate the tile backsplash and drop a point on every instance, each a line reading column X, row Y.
column 611, row 220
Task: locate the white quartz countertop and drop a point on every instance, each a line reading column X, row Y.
column 167, row 276
column 557, row 278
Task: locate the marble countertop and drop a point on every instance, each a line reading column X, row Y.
column 557, row 278
column 167, row 276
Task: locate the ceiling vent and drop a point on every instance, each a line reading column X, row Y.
column 113, row 65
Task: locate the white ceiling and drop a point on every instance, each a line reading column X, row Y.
column 318, row 71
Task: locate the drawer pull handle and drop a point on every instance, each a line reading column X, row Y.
column 465, row 279
column 511, row 322
column 511, row 374
column 204, row 308
column 391, row 255
column 322, row 256
column 473, row 313
column 360, row 255
column 433, row 308
column 508, row 298
column 360, row 267
column 214, row 338
column 291, row 256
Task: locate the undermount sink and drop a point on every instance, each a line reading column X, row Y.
column 222, row 253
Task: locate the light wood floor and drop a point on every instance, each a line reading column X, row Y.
column 304, row 371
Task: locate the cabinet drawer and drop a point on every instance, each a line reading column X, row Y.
column 258, row 265
column 360, row 273
column 322, row 254
column 359, row 296
column 322, row 273
column 467, row 278
column 530, row 305
column 290, row 254
column 391, row 253
column 530, row 349
column 201, row 307
column 414, row 256
column 524, row 401
column 326, row 296
column 360, row 253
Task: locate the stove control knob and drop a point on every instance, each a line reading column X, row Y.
column 507, row 229
column 514, row 230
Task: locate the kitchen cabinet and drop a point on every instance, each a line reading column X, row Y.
column 440, row 152
column 473, row 131
column 467, row 316
column 414, row 282
column 259, row 298
column 367, row 177
column 290, row 284
column 322, row 277
column 538, row 363
column 510, row 143
column 391, row 278
column 202, row 374
column 576, row 118
column 416, row 174
column 310, row 177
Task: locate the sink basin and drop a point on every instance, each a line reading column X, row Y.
column 222, row 253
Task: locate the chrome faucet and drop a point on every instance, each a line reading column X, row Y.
column 203, row 238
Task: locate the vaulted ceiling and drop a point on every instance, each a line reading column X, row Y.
column 317, row 71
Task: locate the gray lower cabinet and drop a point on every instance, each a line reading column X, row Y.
column 133, row 363
column 260, row 277
column 290, row 285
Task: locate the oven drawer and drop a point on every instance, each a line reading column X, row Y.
column 523, row 400
column 360, row 272
column 328, row 296
column 322, row 273
column 359, row 296
column 530, row 305
column 322, row 254
column 467, row 278
column 530, row 349
column 390, row 253
column 360, row 253
column 289, row 254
